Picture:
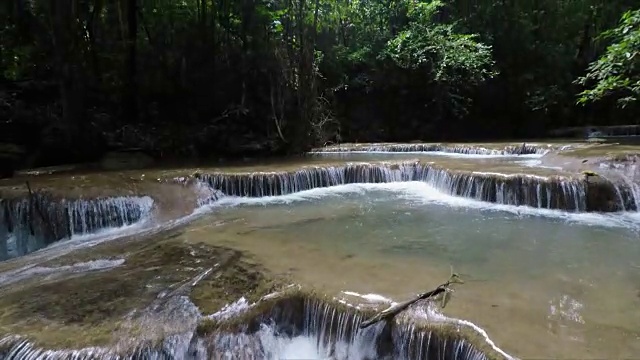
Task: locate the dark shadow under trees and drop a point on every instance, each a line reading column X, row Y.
column 226, row 78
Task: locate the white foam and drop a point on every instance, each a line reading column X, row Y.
column 434, row 153
column 431, row 314
column 376, row 298
column 538, row 164
column 306, row 347
column 26, row 272
column 421, row 192
column 232, row 309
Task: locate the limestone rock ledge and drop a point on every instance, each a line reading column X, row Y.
column 466, row 149
column 35, row 221
column 577, row 193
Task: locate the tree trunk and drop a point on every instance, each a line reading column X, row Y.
column 131, row 91
column 67, row 68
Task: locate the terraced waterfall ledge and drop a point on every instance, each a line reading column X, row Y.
column 576, row 193
column 159, row 295
column 467, row 149
column 32, row 222
column 327, row 324
column 130, row 311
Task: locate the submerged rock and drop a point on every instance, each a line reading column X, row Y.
column 134, row 298
column 139, row 299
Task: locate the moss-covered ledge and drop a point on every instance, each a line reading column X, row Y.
column 77, row 310
column 300, row 311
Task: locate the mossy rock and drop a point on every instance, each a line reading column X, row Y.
column 87, row 309
column 297, row 311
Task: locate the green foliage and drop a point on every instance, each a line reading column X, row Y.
column 198, row 77
column 442, row 54
column 617, row 71
column 449, row 61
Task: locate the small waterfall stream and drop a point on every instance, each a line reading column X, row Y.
column 524, row 149
column 30, row 223
column 298, row 326
column 576, row 194
column 295, row 326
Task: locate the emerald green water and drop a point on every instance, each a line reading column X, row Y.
column 544, row 284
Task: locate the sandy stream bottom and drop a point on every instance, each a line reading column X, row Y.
column 527, row 313
column 511, row 311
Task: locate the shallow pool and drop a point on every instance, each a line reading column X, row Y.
column 543, row 283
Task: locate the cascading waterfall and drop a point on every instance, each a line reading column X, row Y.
column 308, row 327
column 523, row 149
column 563, row 193
column 625, row 167
column 31, row 223
column 292, row 327
column 283, row 183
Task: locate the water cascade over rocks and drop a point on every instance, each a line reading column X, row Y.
column 523, row 149
column 329, row 330
column 297, row 326
column 33, row 222
column 564, row 193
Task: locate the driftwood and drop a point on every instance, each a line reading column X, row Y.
column 394, row 310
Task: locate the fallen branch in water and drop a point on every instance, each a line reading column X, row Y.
column 394, row 310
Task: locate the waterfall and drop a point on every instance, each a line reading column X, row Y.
column 293, row 326
column 283, row 183
column 306, row 326
column 30, row 223
column 524, row 149
column 576, row 194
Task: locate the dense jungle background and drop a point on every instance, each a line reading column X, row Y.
column 214, row 78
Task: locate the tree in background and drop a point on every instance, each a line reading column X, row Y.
column 617, row 72
column 250, row 77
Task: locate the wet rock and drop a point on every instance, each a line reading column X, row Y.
column 602, row 195
column 329, row 322
column 514, row 189
column 40, row 219
column 136, row 304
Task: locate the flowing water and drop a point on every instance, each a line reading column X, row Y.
column 550, row 258
column 543, row 283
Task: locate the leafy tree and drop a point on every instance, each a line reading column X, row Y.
column 452, row 62
column 617, row 71
column 238, row 77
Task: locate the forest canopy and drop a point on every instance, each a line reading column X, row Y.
column 234, row 77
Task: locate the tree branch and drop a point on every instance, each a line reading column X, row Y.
column 398, row 308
